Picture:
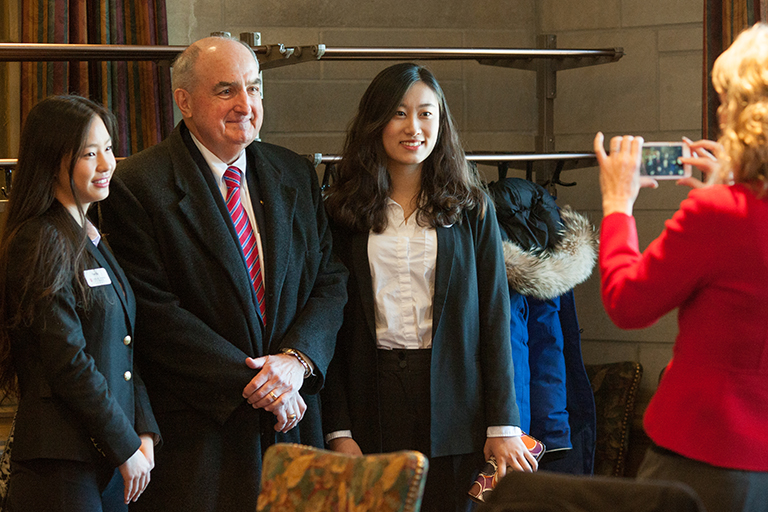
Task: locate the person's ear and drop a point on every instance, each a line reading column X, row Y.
column 183, row 101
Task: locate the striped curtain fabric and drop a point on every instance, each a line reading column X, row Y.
column 723, row 21
column 138, row 93
column 5, row 100
column 738, row 15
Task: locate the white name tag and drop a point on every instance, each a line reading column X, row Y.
column 97, row 277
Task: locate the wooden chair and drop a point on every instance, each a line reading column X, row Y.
column 298, row 478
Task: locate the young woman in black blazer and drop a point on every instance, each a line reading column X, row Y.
column 85, row 433
column 423, row 359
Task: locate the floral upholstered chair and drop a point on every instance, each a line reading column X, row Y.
column 299, row 478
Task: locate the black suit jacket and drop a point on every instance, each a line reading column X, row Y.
column 170, row 229
column 81, row 397
column 471, row 368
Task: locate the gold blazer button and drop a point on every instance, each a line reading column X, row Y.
column 127, row 340
column 127, row 375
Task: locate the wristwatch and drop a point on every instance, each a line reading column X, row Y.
column 297, row 355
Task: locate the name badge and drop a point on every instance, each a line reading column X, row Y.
column 97, row 277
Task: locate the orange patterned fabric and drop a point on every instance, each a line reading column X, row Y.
column 299, row 478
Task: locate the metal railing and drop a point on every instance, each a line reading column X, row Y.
column 278, row 55
column 502, row 161
column 546, row 60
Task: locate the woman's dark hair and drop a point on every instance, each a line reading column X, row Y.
column 357, row 199
column 53, row 138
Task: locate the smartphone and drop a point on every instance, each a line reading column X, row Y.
column 661, row 160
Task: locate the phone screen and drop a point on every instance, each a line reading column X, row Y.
column 662, row 160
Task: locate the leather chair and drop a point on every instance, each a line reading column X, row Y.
column 554, row 492
column 615, row 387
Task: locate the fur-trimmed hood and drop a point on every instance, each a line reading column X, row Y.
column 549, row 273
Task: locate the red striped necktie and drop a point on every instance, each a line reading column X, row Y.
column 232, row 177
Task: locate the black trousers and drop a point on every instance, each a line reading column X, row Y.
column 404, row 402
column 204, row 466
column 720, row 489
column 56, row 485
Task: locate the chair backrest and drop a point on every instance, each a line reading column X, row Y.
column 615, row 387
column 554, row 492
column 296, row 478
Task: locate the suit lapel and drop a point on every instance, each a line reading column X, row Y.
column 106, row 251
column 118, row 281
column 204, row 208
column 362, row 271
column 443, row 273
column 279, row 202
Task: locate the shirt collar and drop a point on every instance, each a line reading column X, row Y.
column 92, row 232
column 218, row 167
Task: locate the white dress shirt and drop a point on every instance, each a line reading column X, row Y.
column 218, row 168
column 402, row 261
column 92, row 232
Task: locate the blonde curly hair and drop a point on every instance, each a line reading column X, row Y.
column 740, row 76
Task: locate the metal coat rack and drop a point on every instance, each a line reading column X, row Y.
column 544, row 166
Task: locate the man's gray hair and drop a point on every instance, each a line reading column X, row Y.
column 183, row 76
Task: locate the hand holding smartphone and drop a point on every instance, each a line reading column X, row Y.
column 488, row 476
column 661, row 160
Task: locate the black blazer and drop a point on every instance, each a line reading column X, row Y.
column 170, row 229
column 81, row 397
column 471, row 369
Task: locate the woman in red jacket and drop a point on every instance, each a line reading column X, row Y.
column 709, row 417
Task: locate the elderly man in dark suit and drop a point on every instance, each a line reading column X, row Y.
column 226, row 244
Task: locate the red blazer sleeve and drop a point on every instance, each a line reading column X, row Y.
column 637, row 289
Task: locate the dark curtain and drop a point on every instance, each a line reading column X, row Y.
column 723, row 21
column 138, row 93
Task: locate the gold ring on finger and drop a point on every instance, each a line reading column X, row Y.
column 291, row 416
column 273, row 395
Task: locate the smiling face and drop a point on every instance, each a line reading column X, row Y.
column 410, row 136
column 92, row 173
column 223, row 107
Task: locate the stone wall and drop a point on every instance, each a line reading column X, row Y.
column 308, row 106
column 654, row 91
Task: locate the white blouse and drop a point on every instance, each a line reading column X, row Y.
column 402, row 262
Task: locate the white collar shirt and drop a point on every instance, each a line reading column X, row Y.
column 218, row 168
column 402, row 262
